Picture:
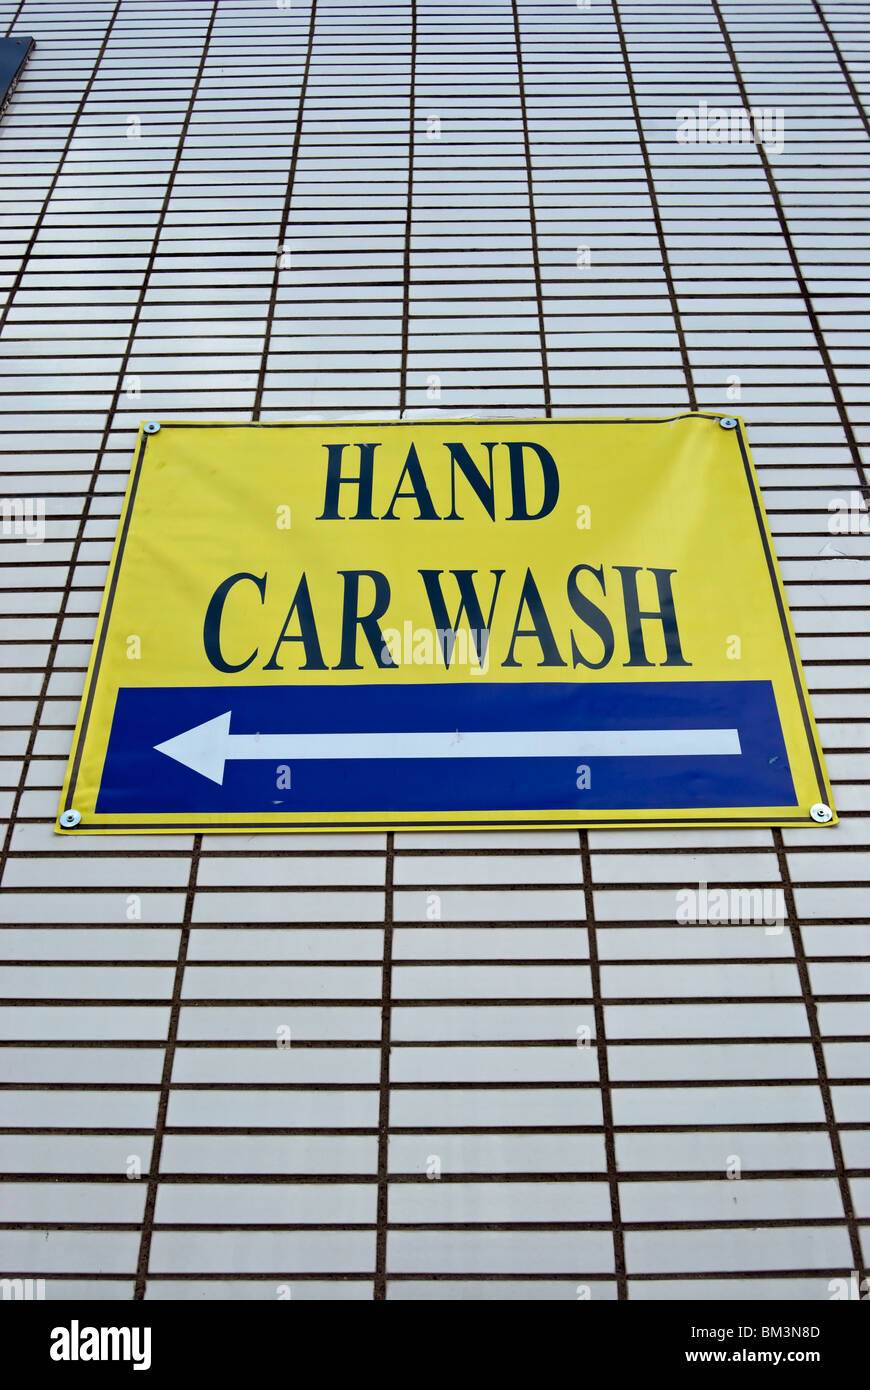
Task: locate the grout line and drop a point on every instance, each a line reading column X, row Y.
column 383, row 1215
column 285, row 217
column 604, row 1075
column 797, row 270
column 61, row 160
column 853, row 90
column 530, row 187
column 657, row 217
column 409, row 216
column 810, row 1004
column 14, row 20
column 147, row 1226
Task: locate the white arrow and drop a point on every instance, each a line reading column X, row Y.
column 206, row 748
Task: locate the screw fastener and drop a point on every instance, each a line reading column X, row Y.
column 726, row 422
column 69, row 819
column 821, row 813
column 152, row 427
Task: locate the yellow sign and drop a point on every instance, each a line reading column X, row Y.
column 442, row 623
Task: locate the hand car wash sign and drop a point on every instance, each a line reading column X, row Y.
column 550, row 622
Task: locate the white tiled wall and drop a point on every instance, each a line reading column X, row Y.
column 555, row 1091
